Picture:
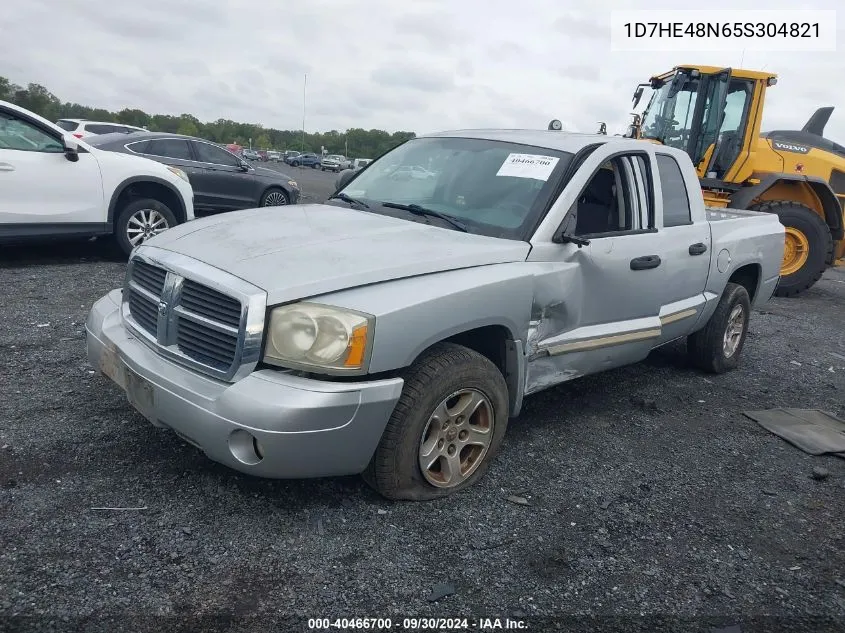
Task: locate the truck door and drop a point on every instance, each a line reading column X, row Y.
column 600, row 306
column 685, row 246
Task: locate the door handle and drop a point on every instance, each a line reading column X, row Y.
column 6, row 167
column 697, row 249
column 645, row 262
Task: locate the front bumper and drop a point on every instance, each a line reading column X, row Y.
column 269, row 424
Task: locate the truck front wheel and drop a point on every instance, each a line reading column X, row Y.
column 808, row 245
column 446, row 428
column 716, row 347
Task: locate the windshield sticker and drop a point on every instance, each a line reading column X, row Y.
column 528, row 166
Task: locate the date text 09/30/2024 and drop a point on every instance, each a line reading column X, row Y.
column 417, row 624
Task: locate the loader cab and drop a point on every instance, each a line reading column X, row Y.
column 710, row 113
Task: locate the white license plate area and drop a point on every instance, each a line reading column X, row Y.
column 141, row 394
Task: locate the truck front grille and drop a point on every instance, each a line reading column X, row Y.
column 143, row 310
column 210, row 303
column 187, row 319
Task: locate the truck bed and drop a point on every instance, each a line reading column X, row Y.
column 719, row 214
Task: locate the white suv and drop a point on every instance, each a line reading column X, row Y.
column 81, row 128
column 53, row 185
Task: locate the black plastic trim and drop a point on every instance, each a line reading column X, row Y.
column 33, row 230
column 181, row 213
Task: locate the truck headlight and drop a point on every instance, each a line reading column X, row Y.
column 307, row 335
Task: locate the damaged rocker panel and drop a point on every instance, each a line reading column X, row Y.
column 604, row 340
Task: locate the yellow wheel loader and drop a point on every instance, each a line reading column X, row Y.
column 715, row 114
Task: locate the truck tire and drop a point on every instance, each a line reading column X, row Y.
column 446, row 428
column 716, row 348
column 139, row 220
column 808, row 247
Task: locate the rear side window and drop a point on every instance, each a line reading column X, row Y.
column 139, row 147
column 170, row 148
column 676, row 210
column 99, row 128
column 68, row 126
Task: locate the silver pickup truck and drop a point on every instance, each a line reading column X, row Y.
column 395, row 329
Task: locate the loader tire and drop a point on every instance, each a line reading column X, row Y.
column 807, row 249
column 717, row 346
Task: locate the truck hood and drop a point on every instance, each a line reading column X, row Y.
column 299, row 251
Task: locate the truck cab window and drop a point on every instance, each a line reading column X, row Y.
column 676, row 209
column 606, row 205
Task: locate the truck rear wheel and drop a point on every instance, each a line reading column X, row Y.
column 716, row 348
column 808, row 245
column 446, row 428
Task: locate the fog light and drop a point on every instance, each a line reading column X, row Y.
column 245, row 447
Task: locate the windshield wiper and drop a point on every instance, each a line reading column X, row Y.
column 418, row 210
column 349, row 199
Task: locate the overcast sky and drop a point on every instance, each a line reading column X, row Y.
column 418, row 65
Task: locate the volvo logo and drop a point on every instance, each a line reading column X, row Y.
column 162, row 308
column 791, row 147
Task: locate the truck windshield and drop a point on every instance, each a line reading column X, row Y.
column 493, row 188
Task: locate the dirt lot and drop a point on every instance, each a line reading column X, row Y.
column 654, row 504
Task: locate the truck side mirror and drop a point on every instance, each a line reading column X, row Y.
column 564, row 234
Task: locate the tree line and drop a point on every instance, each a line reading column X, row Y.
column 357, row 142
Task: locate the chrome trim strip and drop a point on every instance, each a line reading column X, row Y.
column 205, row 321
column 143, row 291
column 253, row 302
column 677, row 316
column 602, row 341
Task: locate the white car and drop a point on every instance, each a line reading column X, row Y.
column 81, row 128
column 53, row 184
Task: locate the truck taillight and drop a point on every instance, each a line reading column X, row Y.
column 78, row 135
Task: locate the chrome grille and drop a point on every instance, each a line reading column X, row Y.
column 189, row 321
column 149, row 277
column 204, row 345
column 210, row 304
column 143, row 310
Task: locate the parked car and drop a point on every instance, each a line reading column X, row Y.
column 82, row 128
column 360, row 162
column 250, row 154
column 333, row 162
column 53, row 184
column 221, row 180
column 262, row 155
column 395, row 329
column 306, row 160
column 412, row 171
column 274, row 156
column 289, row 155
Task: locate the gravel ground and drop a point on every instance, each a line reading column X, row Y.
column 652, row 502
